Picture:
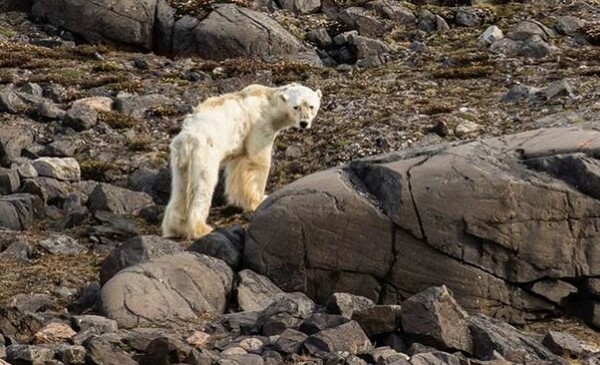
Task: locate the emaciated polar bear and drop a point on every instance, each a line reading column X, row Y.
column 235, row 131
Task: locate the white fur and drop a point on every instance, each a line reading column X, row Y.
column 235, row 131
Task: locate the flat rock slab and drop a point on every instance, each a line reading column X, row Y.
column 486, row 218
column 176, row 287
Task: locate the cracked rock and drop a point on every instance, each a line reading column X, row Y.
column 174, row 287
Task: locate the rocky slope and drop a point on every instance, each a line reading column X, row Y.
column 88, row 112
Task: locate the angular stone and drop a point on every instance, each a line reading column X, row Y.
column 134, row 251
column 102, row 351
column 345, row 337
column 17, row 211
column 393, row 10
column 65, row 169
column 490, row 336
column 97, row 323
column 27, row 354
column 9, row 181
column 569, row 25
column 80, row 118
column 300, row 6
column 346, row 304
column 12, row 141
column 491, row 35
column 255, row 292
column 117, row 200
column 321, row 321
column 562, row 344
column 61, row 245
column 437, row 319
column 556, row 291
column 224, row 244
column 363, row 20
column 54, row 332
column 378, row 319
column 290, row 341
column 72, row 355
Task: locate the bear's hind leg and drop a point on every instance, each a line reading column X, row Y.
column 204, row 177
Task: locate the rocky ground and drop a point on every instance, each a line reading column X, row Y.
column 82, row 121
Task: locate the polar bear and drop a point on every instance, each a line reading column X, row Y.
column 233, row 131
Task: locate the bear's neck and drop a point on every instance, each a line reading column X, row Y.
column 278, row 119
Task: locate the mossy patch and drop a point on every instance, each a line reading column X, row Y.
column 95, row 170
column 470, row 72
column 139, row 144
column 117, row 120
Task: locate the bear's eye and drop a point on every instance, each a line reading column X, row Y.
column 312, row 107
column 296, row 107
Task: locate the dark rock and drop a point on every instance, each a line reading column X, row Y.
column 243, row 359
column 430, row 22
column 137, row 106
column 506, row 46
column 369, row 52
column 255, row 292
column 16, row 5
column 17, row 251
column 562, row 344
column 9, row 181
column 32, row 302
column 490, row 335
column 363, row 20
column 12, row 141
column 117, row 200
column 521, row 93
column 467, row 17
column 72, row 354
column 72, row 218
column 535, row 47
column 319, row 37
column 385, row 355
column 152, row 214
column 244, row 322
column 49, row 190
column 143, row 179
column 174, row 287
column 435, row 358
column 65, row 147
column 17, row 211
column 10, row 100
column 101, row 351
column 80, row 118
column 290, row 341
column 378, row 319
column 113, row 226
column 286, row 311
column 48, row 109
column 224, row 244
column 27, row 354
column 569, row 25
column 419, row 348
column 89, row 296
column 437, row 319
column 393, row 11
column 346, row 304
column 165, row 351
column 19, row 324
column 556, row 291
column 394, row 341
column 321, row 321
column 558, row 89
column 60, row 245
column 530, row 28
column 134, row 251
column 345, row 337
column 593, row 286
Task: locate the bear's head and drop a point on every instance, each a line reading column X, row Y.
column 303, row 104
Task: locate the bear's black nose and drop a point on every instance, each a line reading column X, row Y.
column 303, row 124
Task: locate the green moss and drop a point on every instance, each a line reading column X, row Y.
column 139, row 144
column 107, row 67
column 470, row 72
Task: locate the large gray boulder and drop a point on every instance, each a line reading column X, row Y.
column 486, row 218
column 231, row 31
column 180, row 287
column 129, row 22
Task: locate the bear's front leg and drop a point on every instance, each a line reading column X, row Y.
column 245, row 183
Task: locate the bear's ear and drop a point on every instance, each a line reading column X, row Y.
column 319, row 94
column 283, row 96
